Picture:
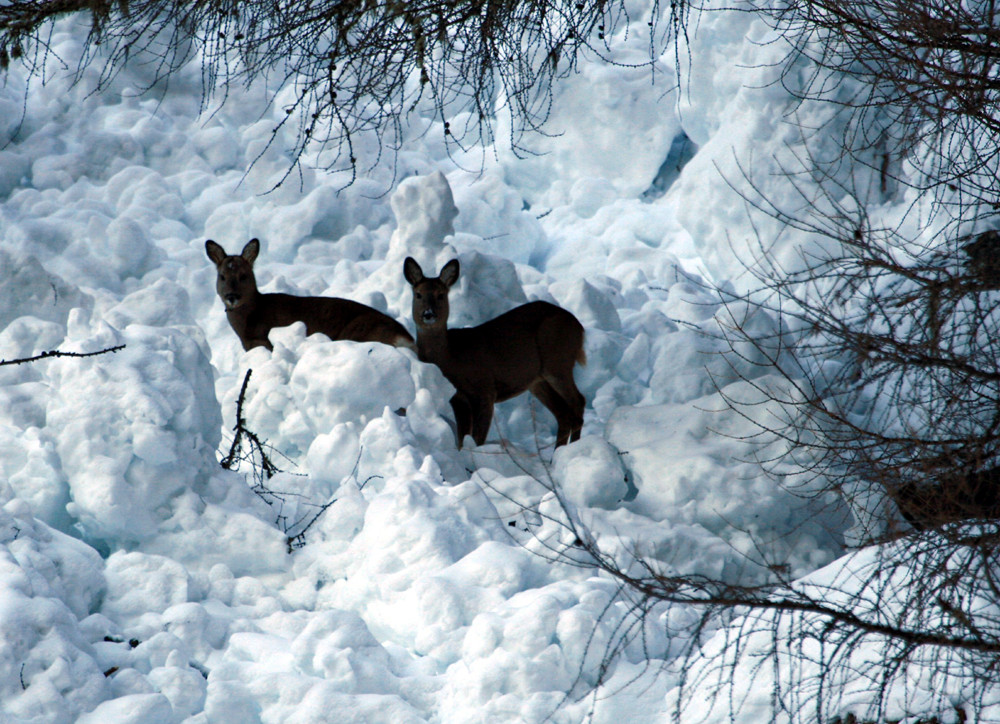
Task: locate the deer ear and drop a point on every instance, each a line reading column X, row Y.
column 250, row 251
column 412, row 271
column 215, row 252
column 449, row 273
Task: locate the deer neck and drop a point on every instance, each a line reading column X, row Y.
column 240, row 314
column 432, row 343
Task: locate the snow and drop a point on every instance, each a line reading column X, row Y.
column 140, row 582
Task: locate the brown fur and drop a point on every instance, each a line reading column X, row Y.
column 253, row 315
column 530, row 348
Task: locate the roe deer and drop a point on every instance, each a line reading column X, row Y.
column 531, row 347
column 252, row 314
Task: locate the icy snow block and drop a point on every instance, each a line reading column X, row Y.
column 590, row 473
column 134, row 430
column 593, row 307
column 14, row 169
column 57, row 565
column 139, row 583
column 494, row 219
column 28, row 289
column 425, row 213
column 335, row 382
column 184, row 688
column 126, row 248
column 135, row 708
column 48, row 581
column 488, row 287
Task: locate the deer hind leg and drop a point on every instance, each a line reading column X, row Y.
column 559, row 355
column 572, row 400
column 565, row 416
column 463, row 417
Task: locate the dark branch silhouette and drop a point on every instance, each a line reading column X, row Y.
column 267, row 469
column 354, row 66
column 56, row 353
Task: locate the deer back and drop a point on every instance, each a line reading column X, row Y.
column 253, row 315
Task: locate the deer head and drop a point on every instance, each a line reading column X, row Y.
column 430, row 295
column 235, row 281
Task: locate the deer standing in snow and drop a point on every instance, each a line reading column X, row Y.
column 532, row 347
column 252, row 314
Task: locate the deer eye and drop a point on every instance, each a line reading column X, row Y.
column 419, row 295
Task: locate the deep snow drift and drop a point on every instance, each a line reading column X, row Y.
column 142, row 583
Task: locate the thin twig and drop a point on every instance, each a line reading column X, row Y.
column 57, row 353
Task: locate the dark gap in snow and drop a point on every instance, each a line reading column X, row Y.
column 682, row 150
column 539, row 258
column 79, row 532
column 631, row 490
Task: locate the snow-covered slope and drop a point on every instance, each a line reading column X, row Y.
column 140, row 582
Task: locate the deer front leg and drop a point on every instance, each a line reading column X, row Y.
column 463, row 417
column 482, row 416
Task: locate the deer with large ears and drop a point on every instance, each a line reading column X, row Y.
column 252, row 314
column 530, row 348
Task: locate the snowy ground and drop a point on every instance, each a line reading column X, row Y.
column 419, row 594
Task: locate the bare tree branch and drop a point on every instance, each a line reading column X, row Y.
column 917, row 82
column 56, row 353
column 352, row 66
column 267, row 469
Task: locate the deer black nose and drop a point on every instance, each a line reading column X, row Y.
column 232, row 299
column 429, row 315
